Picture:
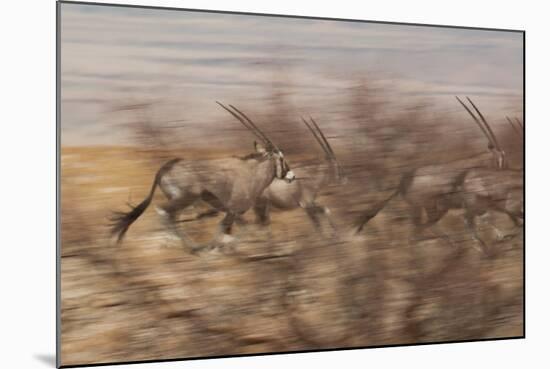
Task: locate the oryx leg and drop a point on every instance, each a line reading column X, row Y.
column 415, row 259
column 169, row 213
column 226, row 229
column 416, row 217
column 438, row 232
column 226, row 225
column 487, row 219
column 327, row 213
column 261, row 210
column 515, row 218
column 469, row 219
column 434, row 214
column 313, row 211
column 207, row 214
column 210, row 199
column 222, row 237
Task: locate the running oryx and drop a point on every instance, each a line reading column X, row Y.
column 303, row 192
column 471, row 185
column 231, row 185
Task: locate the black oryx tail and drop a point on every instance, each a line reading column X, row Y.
column 402, row 187
column 121, row 221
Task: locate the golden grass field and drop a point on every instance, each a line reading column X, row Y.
column 148, row 299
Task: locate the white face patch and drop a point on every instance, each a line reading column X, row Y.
column 282, row 171
column 290, row 176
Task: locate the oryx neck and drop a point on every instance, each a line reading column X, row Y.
column 263, row 174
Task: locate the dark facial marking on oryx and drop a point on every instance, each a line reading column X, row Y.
column 282, row 169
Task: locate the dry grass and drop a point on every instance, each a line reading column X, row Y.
column 148, row 299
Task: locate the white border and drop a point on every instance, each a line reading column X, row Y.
column 28, row 182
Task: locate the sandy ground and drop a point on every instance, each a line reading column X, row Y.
column 149, row 299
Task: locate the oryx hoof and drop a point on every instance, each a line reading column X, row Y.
column 224, row 248
column 160, row 211
column 226, row 239
column 197, row 250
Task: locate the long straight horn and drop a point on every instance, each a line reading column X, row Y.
column 520, row 126
column 495, row 142
column 317, row 138
column 513, row 125
column 479, row 124
column 324, row 138
column 243, row 122
column 260, row 132
column 332, row 154
column 520, row 130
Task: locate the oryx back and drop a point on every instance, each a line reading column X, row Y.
column 235, row 182
column 434, row 183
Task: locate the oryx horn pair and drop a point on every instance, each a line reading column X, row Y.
column 483, row 125
column 322, row 140
column 247, row 122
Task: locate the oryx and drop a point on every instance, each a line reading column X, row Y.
column 303, row 192
column 231, row 184
column 476, row 186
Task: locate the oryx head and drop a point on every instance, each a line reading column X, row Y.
column 329, row 153
column 282, row 170
column 492, row 144
column 265, row 148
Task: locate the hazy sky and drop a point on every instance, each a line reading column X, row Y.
column 191, row 59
